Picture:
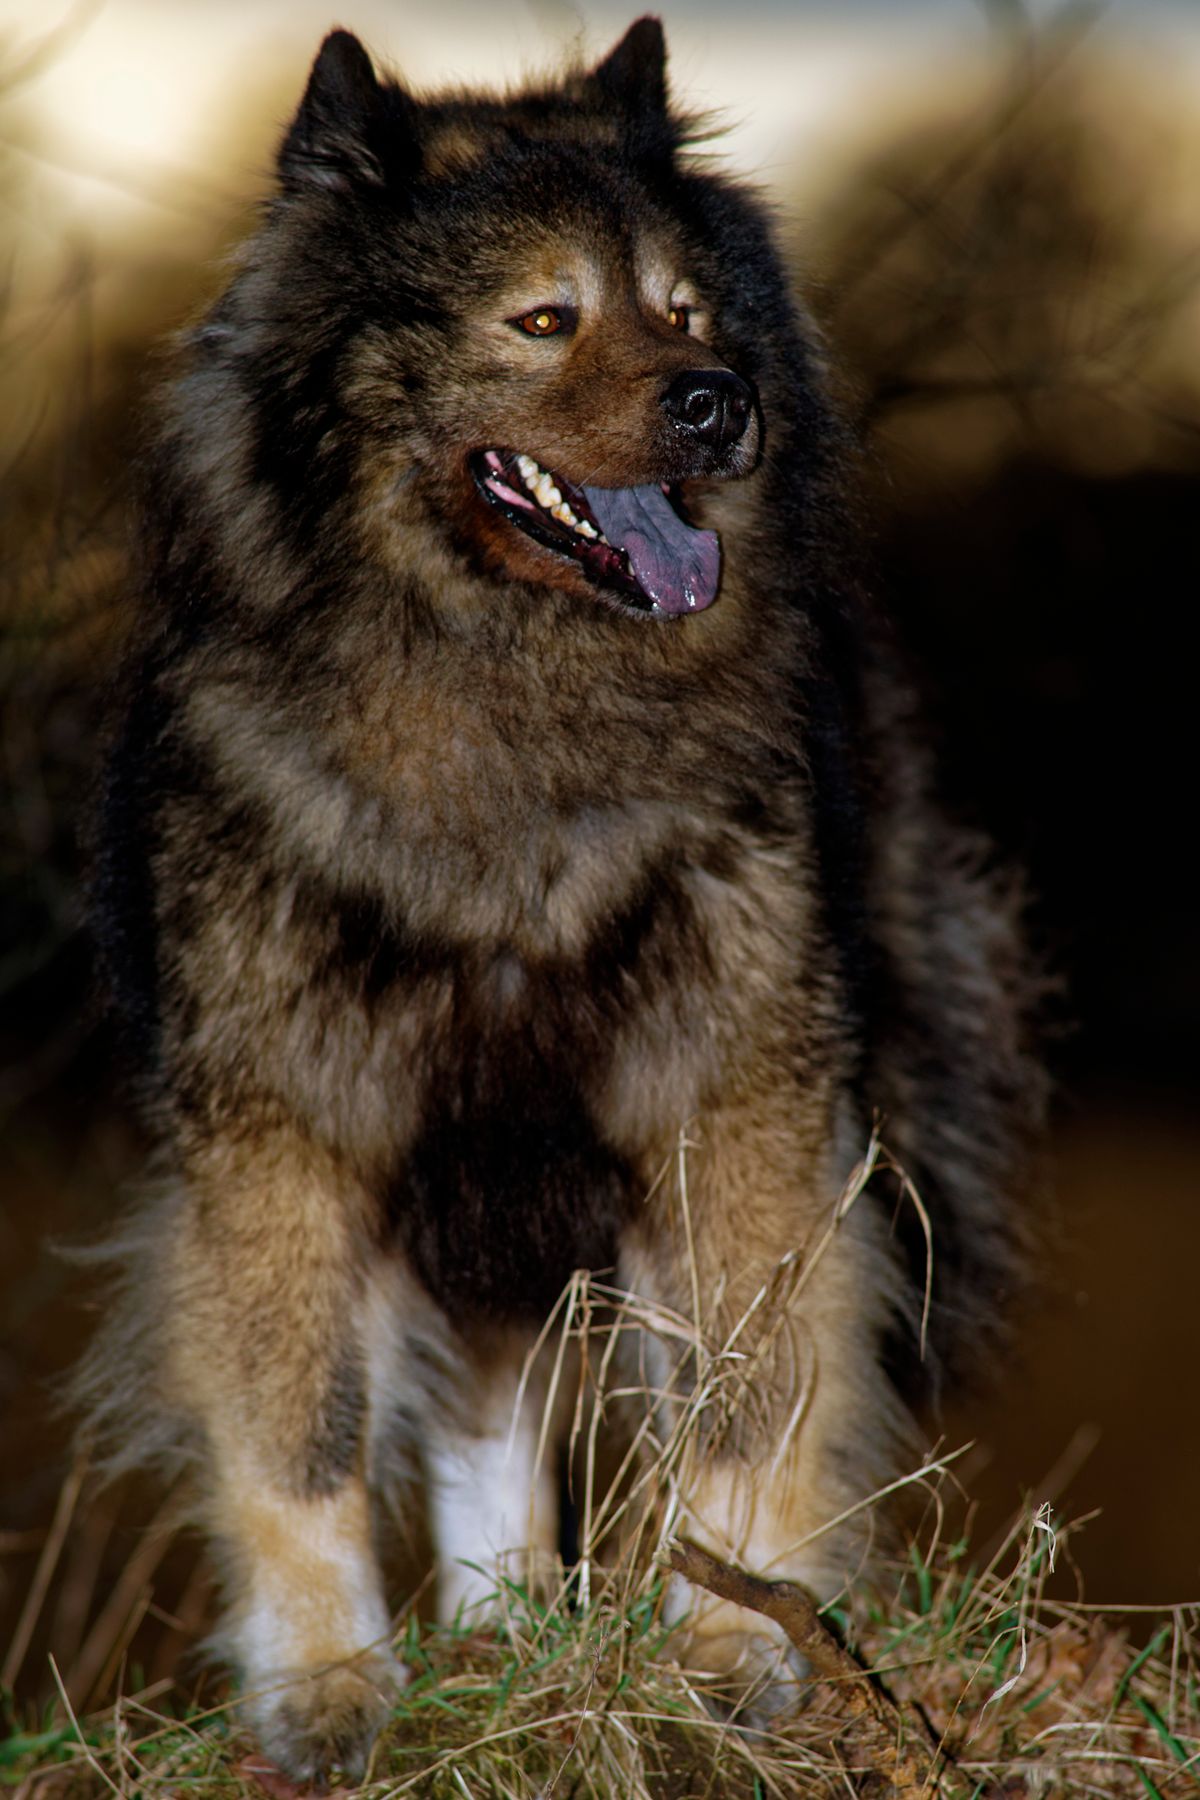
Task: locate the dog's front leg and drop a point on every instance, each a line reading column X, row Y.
column 787, row 1421
column 492, row 1464
column 264, row 1325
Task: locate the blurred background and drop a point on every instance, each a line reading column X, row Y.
column 992, row 209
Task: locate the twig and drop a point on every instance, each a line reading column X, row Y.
column 898, row 1745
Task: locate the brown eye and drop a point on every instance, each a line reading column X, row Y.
column 680, row 317
column 543, row 321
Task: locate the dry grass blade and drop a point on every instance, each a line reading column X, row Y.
column 64, row 1512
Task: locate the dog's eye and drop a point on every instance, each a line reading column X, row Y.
column 680, row 317
column 543, row 321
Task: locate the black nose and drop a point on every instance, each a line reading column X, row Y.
column 710, row 405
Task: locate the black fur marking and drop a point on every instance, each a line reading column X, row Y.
column 644, row 938
column 506, row 1194
column 299, row 450
column 368, row 945
column 367, row 952
column 840, row 842
column 122, row 887
column 336, row 1439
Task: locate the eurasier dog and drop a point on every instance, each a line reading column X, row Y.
column 516, row 858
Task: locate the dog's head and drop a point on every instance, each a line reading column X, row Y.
column 518, row 311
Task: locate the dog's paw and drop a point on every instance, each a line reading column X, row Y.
column 320, row 1726
column 751, row 1672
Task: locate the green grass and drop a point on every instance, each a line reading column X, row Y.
column 1024, row 1694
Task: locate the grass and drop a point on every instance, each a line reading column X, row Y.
column 980, row 1681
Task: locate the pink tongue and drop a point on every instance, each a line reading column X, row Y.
column 676, row 565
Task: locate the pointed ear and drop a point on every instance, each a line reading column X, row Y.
column 633, row 76
column 334, row 141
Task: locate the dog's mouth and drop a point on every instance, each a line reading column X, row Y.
column 634, row 541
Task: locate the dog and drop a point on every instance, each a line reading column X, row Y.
column 518, row 855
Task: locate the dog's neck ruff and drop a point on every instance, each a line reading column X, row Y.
column 631, row 539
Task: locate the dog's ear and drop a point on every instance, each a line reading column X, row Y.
column 633, row 76
column 349, row 131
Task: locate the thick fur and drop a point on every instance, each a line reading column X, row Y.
column 441, row 891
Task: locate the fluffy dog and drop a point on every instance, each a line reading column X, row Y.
column 509, row 782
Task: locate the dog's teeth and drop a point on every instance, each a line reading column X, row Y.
column 542, row 486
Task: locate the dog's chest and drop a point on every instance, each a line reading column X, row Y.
column 550, row 1039
column 518, row 1169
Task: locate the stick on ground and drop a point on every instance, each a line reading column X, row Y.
column 897, row 1744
